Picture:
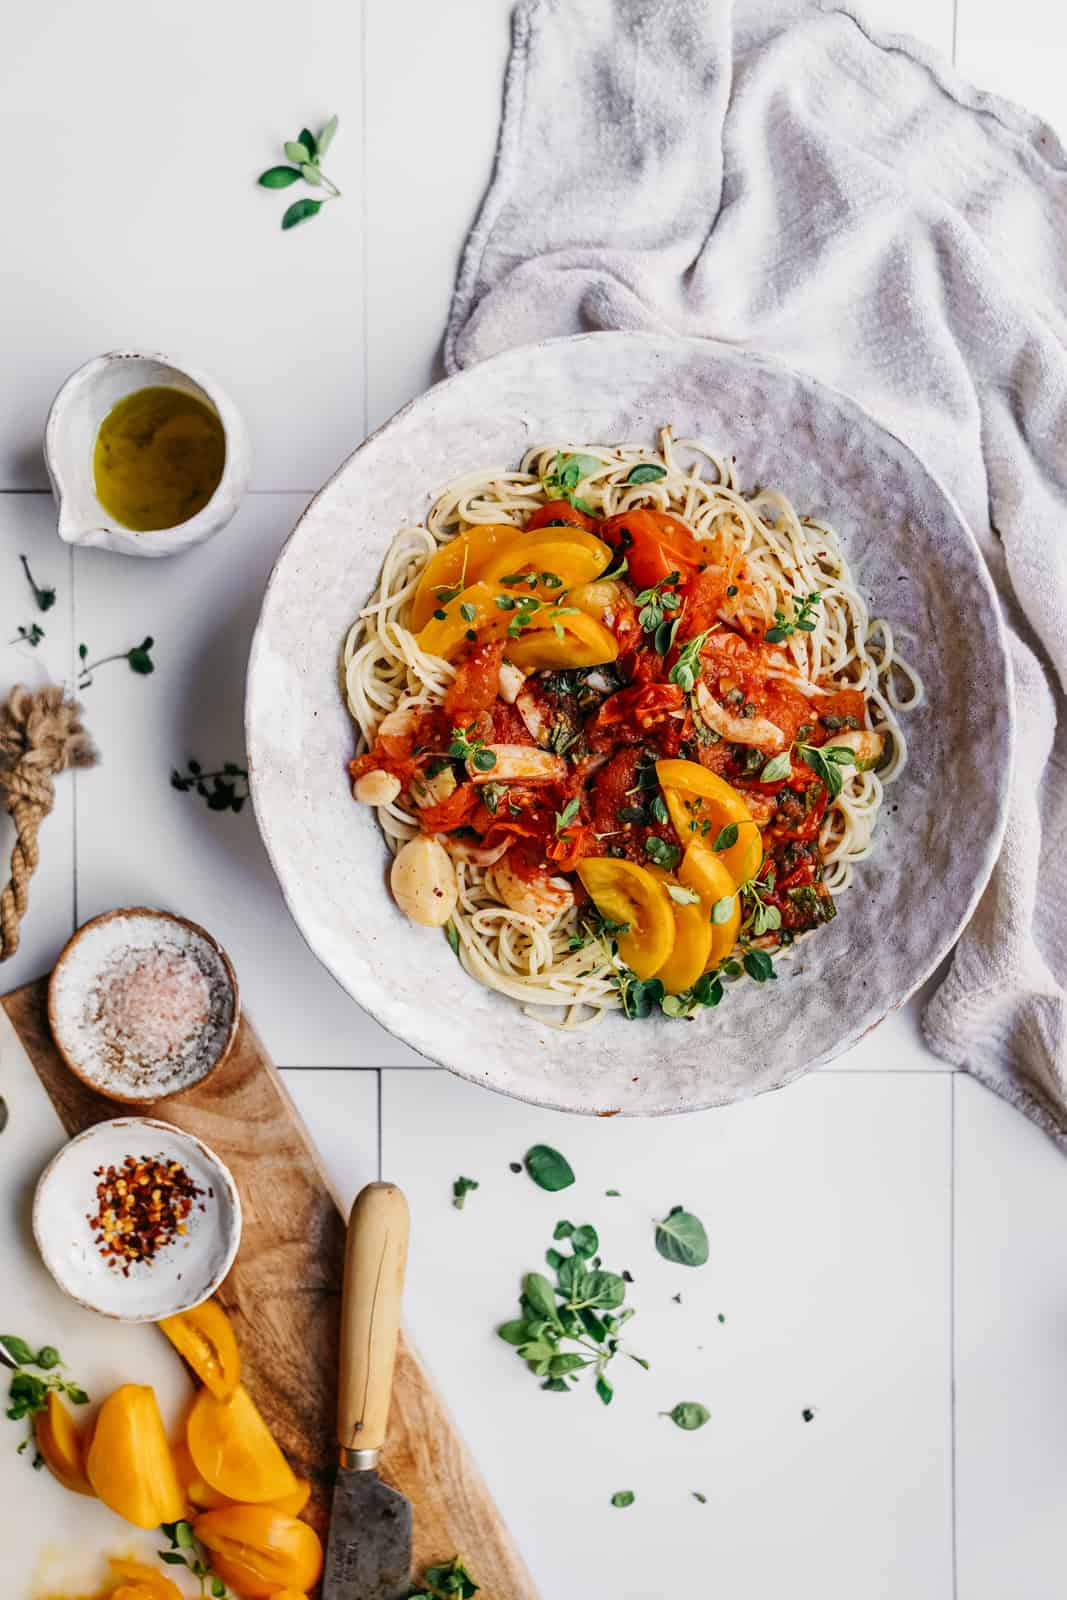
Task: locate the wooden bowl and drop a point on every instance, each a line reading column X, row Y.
column 143, row 1005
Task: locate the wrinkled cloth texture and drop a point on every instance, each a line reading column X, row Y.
column 781, row 176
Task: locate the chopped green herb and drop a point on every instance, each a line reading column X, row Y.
column 802, row 620
column 466, row 747
column 138, row 658
column 681, row 1238
column 623, row 1497
column 663, row 854
column 686, row 669
column 646, row 472
column 698, row 1496
column 548, row 1169
column 449, row 1582
column 807, row 1414
column 461, row 1189
column 688, row 1414
column 27, row 1392
column 568, row 814
column 45, row 598
column 225, row 789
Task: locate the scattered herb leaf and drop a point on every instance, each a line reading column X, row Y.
column 646, row 472
column 306, row 154
column 225, row 789
column 461, row 1189
column 688, row 1414
column 137, row 657
column 548, row 1169
column 623, row 1497
column 45, row 598
column 681, row 1238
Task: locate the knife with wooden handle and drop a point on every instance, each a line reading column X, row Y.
column 368, row 1552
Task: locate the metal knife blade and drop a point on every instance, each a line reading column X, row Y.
column 368, row 1552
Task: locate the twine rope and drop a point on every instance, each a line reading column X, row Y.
column 41, row 734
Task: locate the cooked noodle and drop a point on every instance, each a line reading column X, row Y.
column 783, row 555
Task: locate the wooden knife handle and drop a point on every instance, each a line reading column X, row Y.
column 375, row 1255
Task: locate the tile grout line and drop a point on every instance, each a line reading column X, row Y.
column 955, row 30
column 952, row 1333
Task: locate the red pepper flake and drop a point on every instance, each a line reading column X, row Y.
column 142, row 1206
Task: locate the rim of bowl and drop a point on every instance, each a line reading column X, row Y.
column 209, row 939
column 226, row 1178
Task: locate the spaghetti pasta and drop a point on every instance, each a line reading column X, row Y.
column 791, row 606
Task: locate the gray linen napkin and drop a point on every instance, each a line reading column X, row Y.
column 784, row 177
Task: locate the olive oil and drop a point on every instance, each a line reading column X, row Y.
column 158, row 458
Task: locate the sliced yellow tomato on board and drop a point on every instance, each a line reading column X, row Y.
column 584, row 643
column 129, row 1463
column 692, row 935
column 625, row 893
column 233, row 1449
column 197, row 1492
column 60, row 1442
column 705, row 872
column 695, row 796
column 204, row 1337
column 258, row 1550
column 569, row 554
column 458, row 563
column 293, row 1503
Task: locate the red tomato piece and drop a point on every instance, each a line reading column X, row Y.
column 474, row 688
column 561, row 511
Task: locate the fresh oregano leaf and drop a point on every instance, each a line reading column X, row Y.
column 278, row 177
column 540, row 1294
column 300, row 211
column 646, row 472
column 688, row 1414
column 623, row 1497
column 311, row 174
column 681, row 1238
column 297, row 152
column 18, row 1349
column 777, row 768
column 308, row 140
column 726, row 837
column 548, row 1169
column 723, row 910
column 325, row 138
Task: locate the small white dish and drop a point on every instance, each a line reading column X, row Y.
column 184, row 1272
column 143, row 1004
column 70, row 436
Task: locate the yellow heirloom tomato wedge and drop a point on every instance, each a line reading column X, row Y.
column 258, row 1550
column 129, row 1463
column 134, row 1580
column 625, row 893
column 60, row 1442
column 705, row 872
column 569, row 554
column 473, row 611
column 205, row 1338
column 459, row 563
column 695, row 796
column 234, row 1451
column 692, row 935
column 584, row 643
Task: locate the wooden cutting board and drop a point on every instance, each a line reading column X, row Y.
column 284, row 1296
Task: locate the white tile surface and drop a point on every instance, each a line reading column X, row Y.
column 150, row 124
column 1018, row 51
column 827, row 1207
column 139, row 841
column 1011, row 1336
column 340, row 1111
column 429, row 158
column 27, row 526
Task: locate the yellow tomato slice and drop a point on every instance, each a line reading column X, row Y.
column 692, row 937
column 60, row 1442
column 623, row 892
column 205, row 1337
column 701, row 869
column 473, row 611
column 585, row 643
column 258, row 1550
column 570, row 554
column 129, row 1463
column 234, row 1451
column 460, row 561
column 695, row 796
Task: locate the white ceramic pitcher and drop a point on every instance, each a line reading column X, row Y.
column 70, row 436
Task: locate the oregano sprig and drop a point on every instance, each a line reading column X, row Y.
column 27, row 1390
column 226, row 789
column 187, row 1551
column 138, row 658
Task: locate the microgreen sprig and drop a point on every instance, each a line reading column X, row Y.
column 45, row 598
column 569, row 471
column 31, row 635
column 138, row 657
column 802, row 620
column 466, row 747
column 27, row 1391
column 451, row 1581
column 826, row 761
column 306, row 154
column 224, row 790
column 657, row 601
column 686, row 669
column 584, row 1309
column 187, row 1551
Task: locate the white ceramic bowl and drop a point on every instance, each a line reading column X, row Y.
column 915, row 560
column 184, row 1273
